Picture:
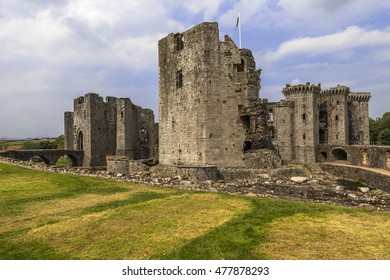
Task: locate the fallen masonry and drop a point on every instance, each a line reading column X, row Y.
column 267, row 183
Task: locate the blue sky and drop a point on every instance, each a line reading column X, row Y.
column 54, row 51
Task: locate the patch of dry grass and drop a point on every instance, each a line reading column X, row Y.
column 139, row 231
column 333, row 236
column 53, row 216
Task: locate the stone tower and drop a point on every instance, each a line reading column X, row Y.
column 334, row 124
column 302, row 124
column 92, row 128
column 204, row 84
column 111, row 127
column 359, row 132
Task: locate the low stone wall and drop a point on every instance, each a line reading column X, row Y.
column 361, row 155
column 123, row 165
column 371, row 178
column 323, row 189
column 193, row 173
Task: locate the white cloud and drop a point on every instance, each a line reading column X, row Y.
column 209, row 8
column 248, row 10
column 351, row 38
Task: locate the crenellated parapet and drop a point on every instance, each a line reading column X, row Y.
column 297, row 89
column 359, row 96
column 339, row 90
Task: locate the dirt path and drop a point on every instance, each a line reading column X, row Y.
column 377, row 170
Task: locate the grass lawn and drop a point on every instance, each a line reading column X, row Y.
column 53, row 216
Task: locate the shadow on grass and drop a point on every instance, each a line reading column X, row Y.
column 31, row 250
column 237, row 239
column 10, row 249
column 134, row 199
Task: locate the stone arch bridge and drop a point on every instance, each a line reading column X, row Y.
column 50, row 157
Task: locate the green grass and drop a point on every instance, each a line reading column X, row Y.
column 53, row 216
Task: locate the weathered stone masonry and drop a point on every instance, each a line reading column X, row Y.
column 211, row 117
column 211, row 113
column 112, row 127
column 204, row 86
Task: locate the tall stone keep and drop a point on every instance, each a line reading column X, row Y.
column 204, row 84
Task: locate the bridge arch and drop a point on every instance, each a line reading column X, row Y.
column 339, row 154
column 73, row 160
column 37, row 158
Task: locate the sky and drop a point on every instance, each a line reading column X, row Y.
column 52, row 51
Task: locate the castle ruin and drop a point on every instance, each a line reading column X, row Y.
column 211, row 116
column 211, row 113
column 112, row 127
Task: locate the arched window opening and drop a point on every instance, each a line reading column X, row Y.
column 80, row 141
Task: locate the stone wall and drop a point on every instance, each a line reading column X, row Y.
column 114, row 126
column 360, row 155
column 334, row 111
column 203, row 83
column 304, row 120
column 371, row 178
column 359, row 133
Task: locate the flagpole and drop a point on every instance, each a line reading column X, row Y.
column 239, row 30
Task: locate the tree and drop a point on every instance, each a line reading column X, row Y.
column 30, row 145
column 60, row 142
column 374, row 129
column 380, row 129
column 384, row 137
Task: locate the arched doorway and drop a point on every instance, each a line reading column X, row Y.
column 323, row 156
column 339, row 154
column 80, row 141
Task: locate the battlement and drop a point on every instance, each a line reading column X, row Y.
column 359, row 96
column 296, row 89
column 339, row 90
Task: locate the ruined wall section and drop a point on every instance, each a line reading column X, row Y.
column 109, row 127
column 357, row 107
column 125, row 143
column 68, row 131
column 283, row 121
column 227, row 73
column 144, row 133
column 334, row 105
column 95, row 128
column 305, row 120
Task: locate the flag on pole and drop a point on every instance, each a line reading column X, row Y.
column 238, row 25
